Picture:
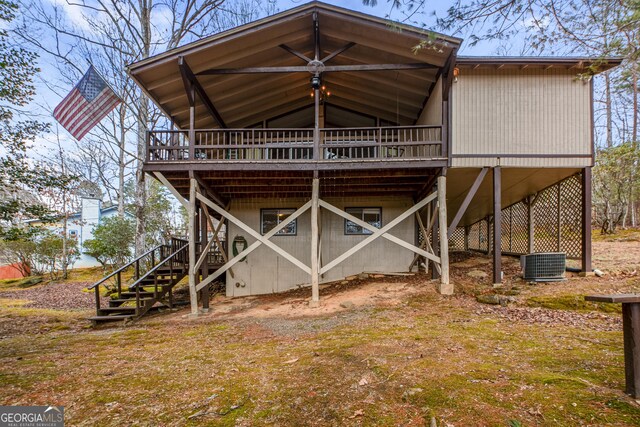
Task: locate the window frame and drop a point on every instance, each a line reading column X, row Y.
column 364, row 232
column 279, row 233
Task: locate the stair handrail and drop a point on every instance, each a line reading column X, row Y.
column 118, row 272
column 157, row 266
column 124, row 267
column 136, row 285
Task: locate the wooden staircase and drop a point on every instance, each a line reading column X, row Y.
column 150, row 291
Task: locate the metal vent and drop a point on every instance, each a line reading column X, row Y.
column 544, row 266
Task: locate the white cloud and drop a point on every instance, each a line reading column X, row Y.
column 76, row 14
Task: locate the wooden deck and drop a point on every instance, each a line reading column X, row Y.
column 296, row 149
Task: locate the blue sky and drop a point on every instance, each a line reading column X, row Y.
column 52, row 88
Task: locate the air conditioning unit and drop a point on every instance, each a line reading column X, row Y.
column 544, row 266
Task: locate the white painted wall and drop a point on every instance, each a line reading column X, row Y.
column 265, row 272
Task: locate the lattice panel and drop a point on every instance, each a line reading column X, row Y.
column 456, row 242
column 519, row 238
column 571, row 216
column 557, row 217
column 478, row 236
column 506, row 230
column 545, row 214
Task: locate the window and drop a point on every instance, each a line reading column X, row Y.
column 371, row 216
column 270, row 218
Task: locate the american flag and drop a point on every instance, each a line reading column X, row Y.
column 86, row 104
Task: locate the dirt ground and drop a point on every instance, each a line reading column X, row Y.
column 379, row 351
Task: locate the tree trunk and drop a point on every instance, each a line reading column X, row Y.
column 609, row 117
column 634, row 81
column 143, row 122
column 121, row 161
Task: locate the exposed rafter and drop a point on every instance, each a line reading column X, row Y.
column 190, row 77
column 295, row 53
column 328, row 68
column 338, row 52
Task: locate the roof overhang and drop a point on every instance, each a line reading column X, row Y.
column 243, row 99
column 577, row 64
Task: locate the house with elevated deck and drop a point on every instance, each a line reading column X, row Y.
column 322, row 144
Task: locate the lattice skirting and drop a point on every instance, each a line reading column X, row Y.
column 557, row 223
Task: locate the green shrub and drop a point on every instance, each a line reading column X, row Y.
column 112, row 241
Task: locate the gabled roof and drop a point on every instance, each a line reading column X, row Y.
column 244, row 99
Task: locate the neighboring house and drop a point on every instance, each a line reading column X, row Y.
column 81, row 224
column 325, row 125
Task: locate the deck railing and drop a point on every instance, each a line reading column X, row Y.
column 296, row 145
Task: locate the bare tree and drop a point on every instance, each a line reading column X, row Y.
column 112, row 34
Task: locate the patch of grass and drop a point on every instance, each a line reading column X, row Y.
column 10, row 302
column 22, row 283
column 621, row 235
column 572, row 302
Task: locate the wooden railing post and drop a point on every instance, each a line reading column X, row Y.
column 97, row 292
column 119, row 281
column 137, row 300
column 147, row 139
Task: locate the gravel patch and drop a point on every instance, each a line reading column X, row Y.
column 542, row 316
column 56, row 296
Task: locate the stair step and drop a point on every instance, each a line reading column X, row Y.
column 120, row 301
column 112, row 318
column 107, row 310
column 151, row 281
column 132, row 294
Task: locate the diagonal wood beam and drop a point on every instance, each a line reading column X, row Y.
column 204, row 254
column 186, row 71
column 295, row 53
column 338, row 52
column 215, row 235
column 372, row 228
column 188, row 84
column 426, row 187
column 328, row 68
column 467, row 201
column 172, row 189
column 379, row 233
column 260, row 240
column 426, row 244
column 212, row 194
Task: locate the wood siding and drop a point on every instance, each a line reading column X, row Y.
column 513, row 112
column 432, row 113
column 266, row 272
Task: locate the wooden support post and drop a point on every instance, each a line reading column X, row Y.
column 467, row 201
column 204, row 245
column 497, row 225
column 193, row 294
column 445, row 288
column 586, row 220
column 315, row 268
column 192, row 127
column 631, row 334
column 530, row 224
